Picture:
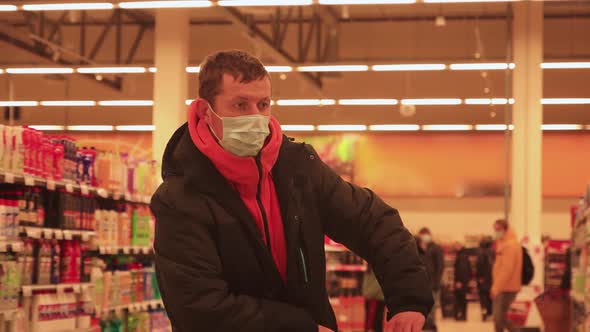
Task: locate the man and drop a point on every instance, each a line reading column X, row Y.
column 243, row 211
column 462, row 278
column 485, row 259
column 506, row 273
column 435, row 264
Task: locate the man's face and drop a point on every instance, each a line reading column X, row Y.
column 237, row 99
column 498, row 228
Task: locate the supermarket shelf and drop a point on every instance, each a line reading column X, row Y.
column 346, row 268
column 55, row 233
column 137, row 306
column 113, row 250
column 11, row 246
column 9, row 314
column 333, row 248
column 6, row 177
column 59, row 288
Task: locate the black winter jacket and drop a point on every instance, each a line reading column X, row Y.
column 216, row 274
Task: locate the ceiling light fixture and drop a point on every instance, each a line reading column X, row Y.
column 409, row 67
column 396, row 127
column 18, row 103
column 466, row 1
column 126, row 103
column 447, row 127
column 440, row 101
column 479, row 66
column 68, row 103
column 90, row 128
column 488, row 101
column 153, row 69
column 342, row 128
column 367, row 102
column 8, row 8
column 562, row 127
column 193, row 69
column 278, row 69
column 305, row 102
column 47, row 127
column 164, row 4
column 330, row 68
column 565, row 101
column 565, row 65
column 69, row 6
column 57, row 70
column 245, row 3
column 366, row 2
column 135, row 128
column 111, row 70
column 493, row 127
column 298, row 127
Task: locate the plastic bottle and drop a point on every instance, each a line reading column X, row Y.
column 19, row 150
column 55, row 262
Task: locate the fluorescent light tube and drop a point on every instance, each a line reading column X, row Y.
column 367, row 101
column 492, row 127
column 279, row 69
column 111, row 70
column 365, row 2
column 297, row 127
column 331, row 68
column 18, row 103
column 409, row 67
column 243, row 3
column 58, row 70
column 479, row 66
column 193, row 69
column 126, row 103
column 396, row 127
column 565, row 101
column 135, row 128
column 447, row 127
column 439, row 101
column 305, row 102
column 8, row 8
column 69, row 6
column 90, row 128
column 565, row 65
column 562, row 127
column 68, row 103
column 342, row 127
column 164, row 4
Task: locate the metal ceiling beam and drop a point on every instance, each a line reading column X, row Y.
column 257, row 36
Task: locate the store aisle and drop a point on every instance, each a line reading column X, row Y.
column 472, row 324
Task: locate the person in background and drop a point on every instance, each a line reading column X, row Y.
column 374, row 302
column 242, row 215
column 462, row 278
column 485, row 261
column 435, row 263
column 506, row 274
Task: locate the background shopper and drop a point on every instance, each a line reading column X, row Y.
column 435, row 263
column 506, row 274
column 485, row 261
column 462, row 278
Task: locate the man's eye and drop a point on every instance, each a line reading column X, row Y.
column 241, row 105
column 264, row 105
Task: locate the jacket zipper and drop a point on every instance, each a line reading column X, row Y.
column 303, row 265
column 260, row 206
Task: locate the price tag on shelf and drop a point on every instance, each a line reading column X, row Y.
column 67, row 235
column 85, row 236
column 102, row 192
column 128, row 196
column 29, row 181
column 59, row 235
column 126, row 250
column 9, row 178
column 102, row 250
column 69, row 187
column 50, row 184
column 84, row 189
column 117, row 195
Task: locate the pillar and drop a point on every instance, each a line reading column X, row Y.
column 171, row 80
column 527, row 89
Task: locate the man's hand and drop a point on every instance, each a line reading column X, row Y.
column 323, row 329
column 409, row 321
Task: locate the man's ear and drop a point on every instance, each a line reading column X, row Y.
column 201, row 107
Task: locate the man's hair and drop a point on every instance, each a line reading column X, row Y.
column 241, row 65
column 503, row 223
column 424, row 230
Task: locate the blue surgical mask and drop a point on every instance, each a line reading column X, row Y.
column 243, row 136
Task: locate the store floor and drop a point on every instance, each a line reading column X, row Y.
column 473, row 323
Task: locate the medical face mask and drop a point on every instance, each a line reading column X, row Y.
column 425, row 238
column 499, row 235
column 243, row 136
